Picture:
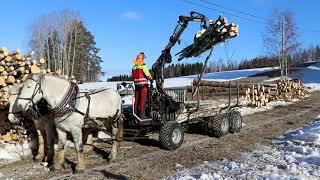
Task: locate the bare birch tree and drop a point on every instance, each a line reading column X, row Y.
column 50, row 37
column 280, row 38
column 64, row 41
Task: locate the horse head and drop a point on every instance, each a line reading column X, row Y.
column 50, row 88
column 15, row 112
column 31, row 93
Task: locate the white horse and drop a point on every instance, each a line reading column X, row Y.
column 45, row 128
column 100, row 109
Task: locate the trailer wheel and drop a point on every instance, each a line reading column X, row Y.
column 218, row 125
column 171, row 135
column 235, row 120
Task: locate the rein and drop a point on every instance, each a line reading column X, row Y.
column 18, row 112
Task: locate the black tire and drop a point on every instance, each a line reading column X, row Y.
column 218, row 125
column 235, row 121
column 171, row 135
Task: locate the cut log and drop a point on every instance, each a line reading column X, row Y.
column 35, row 69
column 2, row 80
column 11, row 80
column 227, row 84
column 59, row 72
column 25, row 77
column 8, row 58
column 42, row 61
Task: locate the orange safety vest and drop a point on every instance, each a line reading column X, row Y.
column 140, row 74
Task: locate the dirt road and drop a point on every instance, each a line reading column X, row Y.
column 145, row 160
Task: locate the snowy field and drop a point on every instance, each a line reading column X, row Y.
column 216, row 76
column 186, row 80
column 295, row 155
column 310, row 76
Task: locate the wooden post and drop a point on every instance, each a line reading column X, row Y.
column 192, row 91
column 229, row 94
column 237, row 92
column 202, row 92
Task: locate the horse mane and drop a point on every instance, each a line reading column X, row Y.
column 56, row 77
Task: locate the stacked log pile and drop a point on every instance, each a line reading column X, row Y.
column 14, row 135
column 259, row 95
column 223, row 88
column 288, row 90
column 15, row 68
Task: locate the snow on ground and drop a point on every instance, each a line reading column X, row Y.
column 216, row 76
column 14, row 152
column 245, row 110
column 294, row 155
column 310, row 76
column 186, row 80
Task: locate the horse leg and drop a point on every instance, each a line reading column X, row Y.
column 88, row 137
column 114, row 149
column 41, row 141
column 78, row 143
column 50, row 146
column 62, row 138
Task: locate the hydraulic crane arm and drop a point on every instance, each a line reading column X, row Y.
column 165, row 56
column 160, row 103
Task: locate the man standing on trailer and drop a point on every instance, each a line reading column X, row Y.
column 140, row 76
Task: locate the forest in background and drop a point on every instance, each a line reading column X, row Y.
column 184, row 69
column 67, row 45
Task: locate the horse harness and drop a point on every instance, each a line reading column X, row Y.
column 67, row 106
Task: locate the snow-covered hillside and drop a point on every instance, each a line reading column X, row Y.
column 310, row 76
column 295, row 155
column 186, row 80
column 216, row 76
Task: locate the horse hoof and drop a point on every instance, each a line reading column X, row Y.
column 51, row 168
column 39, row 158
column 48, row 165
column 87, row 149
column 79, row 170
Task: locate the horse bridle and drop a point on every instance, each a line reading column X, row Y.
column 35, row 91
column 18, row 112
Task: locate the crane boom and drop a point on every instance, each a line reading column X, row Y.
column 165, row 56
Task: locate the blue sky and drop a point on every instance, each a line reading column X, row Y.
column 123, row 28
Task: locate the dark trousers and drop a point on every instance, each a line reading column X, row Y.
column 140, row 98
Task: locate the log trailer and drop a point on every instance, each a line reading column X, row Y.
column 170, row 114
